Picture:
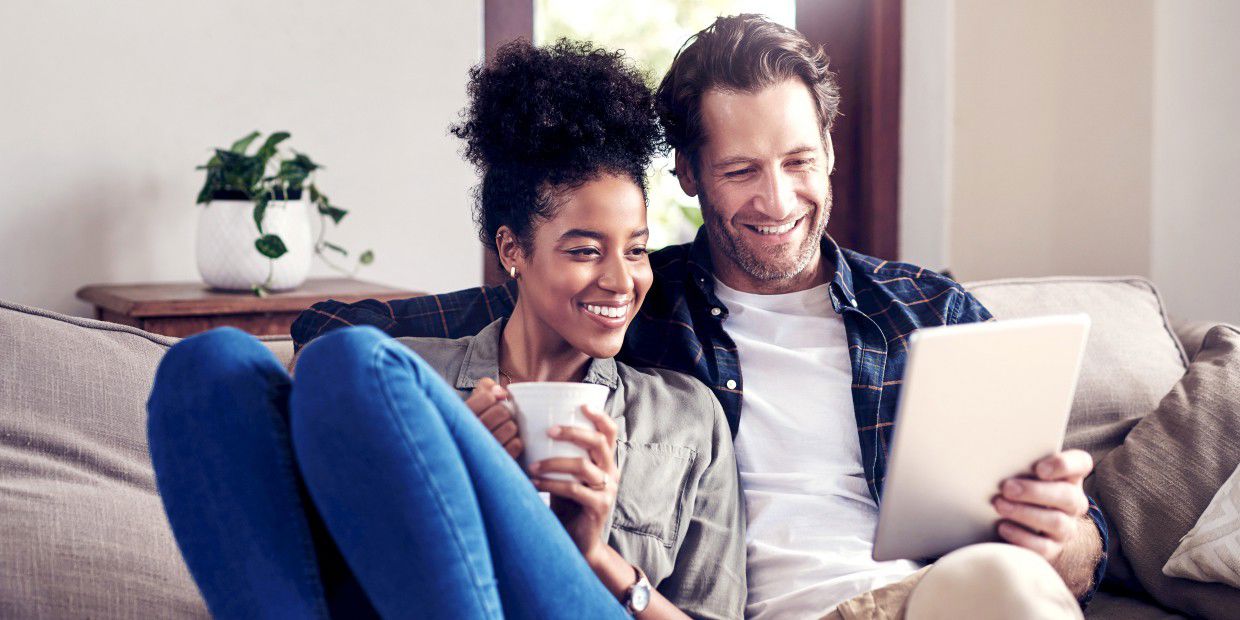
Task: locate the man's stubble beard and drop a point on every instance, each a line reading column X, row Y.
column 748, row 260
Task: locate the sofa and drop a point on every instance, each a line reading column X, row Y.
column 83, row 533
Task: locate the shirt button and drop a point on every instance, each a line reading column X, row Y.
column 731, row 384
column 715, row 312
column 853, row 302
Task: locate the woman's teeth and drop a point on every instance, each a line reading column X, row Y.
column 607, row 311
column 776, row 230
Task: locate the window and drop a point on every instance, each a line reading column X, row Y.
column 650, row 33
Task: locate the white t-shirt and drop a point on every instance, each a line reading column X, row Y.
column 811, row 517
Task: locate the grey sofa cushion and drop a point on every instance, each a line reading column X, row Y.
column 82, row 530
column 1156, row 485
column 1132, row 358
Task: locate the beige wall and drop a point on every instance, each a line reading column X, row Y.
column 108, row 106
column 1196, row 198
column 1052, row 138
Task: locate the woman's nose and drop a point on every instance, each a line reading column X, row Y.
column 616, row 276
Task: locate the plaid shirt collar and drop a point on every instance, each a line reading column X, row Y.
column 701, row 268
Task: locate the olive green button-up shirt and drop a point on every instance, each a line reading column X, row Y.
column 678, row 513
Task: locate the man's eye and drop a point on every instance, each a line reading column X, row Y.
column 801, row 163
column 738, row 173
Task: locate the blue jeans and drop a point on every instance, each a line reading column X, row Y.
column 364, row 485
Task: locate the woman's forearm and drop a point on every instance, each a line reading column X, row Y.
column 617, row 576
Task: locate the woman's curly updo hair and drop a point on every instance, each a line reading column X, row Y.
column 542, row 120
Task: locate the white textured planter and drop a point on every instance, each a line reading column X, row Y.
column 227, row 258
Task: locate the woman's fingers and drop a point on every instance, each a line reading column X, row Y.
column 602, row 423
column 496, row 415
column 597, row 502
column 584, row 471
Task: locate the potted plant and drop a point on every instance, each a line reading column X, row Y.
column 254, row 230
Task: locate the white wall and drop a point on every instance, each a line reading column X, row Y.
column 106, row 107
column 1196, row 159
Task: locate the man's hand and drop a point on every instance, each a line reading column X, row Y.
column 1046, row 513
column 489, row 401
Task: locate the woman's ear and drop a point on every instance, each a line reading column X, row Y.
column 684, row 174
column 510, row 253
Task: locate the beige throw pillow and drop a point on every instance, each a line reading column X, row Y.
column 1155, row 486
column 1210, row 552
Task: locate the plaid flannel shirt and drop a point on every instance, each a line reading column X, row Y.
column 681, row 327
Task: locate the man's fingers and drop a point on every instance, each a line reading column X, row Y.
column 1062, row 496
column 1053, row 524
column 1022, row 537
column 1069, row 465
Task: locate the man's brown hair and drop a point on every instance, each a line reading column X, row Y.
column 743, row 53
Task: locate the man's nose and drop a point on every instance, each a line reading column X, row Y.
column 778, row 198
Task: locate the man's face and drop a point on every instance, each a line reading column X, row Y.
column 762, row 181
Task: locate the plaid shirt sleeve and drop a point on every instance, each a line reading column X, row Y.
column 970, row 310
column 449, row 315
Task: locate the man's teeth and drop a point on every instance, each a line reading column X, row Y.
column 776, row 230
column 607, row 311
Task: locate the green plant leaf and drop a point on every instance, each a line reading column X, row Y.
column 315, row 196
column 259, row 290
column 271, row 246
column 367, row 257
column 336, row 213
column 330, row 245
column 260, row 209
column 268, row 149
column 213, row 183
column 244, row 143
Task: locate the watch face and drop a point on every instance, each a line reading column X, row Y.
column 641, row 597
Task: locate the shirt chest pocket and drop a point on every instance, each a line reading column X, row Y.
column 654, row 488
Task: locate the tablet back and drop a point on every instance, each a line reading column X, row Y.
column 980, row 403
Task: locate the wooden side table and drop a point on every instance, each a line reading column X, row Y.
column 184, row 308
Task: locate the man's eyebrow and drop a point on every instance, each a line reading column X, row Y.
column 741, row 159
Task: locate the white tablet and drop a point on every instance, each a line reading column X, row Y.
column 980, row 403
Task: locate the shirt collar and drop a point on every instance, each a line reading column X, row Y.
column 482, row 360
column 701, row 269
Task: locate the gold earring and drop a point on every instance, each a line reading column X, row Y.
column 512, row 271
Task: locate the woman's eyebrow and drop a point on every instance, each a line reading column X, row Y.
column 582, row 232
column 598, row 236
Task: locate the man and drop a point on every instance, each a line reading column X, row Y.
column 821, row 334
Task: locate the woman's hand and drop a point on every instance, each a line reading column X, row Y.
column 583, row 504
column 489, row 401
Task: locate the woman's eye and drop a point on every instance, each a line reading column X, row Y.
column 583, row 252
column 638, row 251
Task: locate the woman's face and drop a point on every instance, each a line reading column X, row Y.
column 587, row 272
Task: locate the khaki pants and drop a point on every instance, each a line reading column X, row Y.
column 990, row 580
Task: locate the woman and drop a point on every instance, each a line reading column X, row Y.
column 371, row 456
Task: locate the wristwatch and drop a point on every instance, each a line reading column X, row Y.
column 637, row 597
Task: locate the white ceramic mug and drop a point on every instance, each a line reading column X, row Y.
column 541, row 405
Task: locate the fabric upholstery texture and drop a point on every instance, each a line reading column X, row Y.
column 82, row 529
column 84, row 534
column 1156, row 485
column 1132, row 357
column 1210, row 551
